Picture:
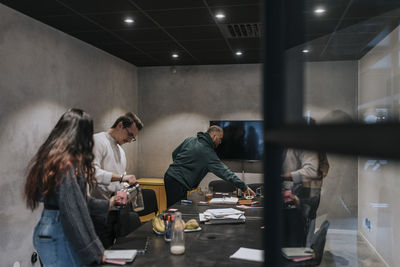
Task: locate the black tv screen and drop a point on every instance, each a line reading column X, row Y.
column 243, row 140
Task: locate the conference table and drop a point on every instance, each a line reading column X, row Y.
column 211, row 246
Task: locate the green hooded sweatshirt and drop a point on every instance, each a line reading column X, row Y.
column 194, row 158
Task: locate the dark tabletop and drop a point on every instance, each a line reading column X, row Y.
column 212, row 246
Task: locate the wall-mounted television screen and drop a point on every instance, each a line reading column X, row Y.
column 243, row 140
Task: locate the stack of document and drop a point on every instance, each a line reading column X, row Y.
column 224, row 200
column 222, row 216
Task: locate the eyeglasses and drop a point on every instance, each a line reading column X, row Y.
column 130, row 135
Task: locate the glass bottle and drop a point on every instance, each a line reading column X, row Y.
column 178, row 237
column 169, row 219
column 139, row 204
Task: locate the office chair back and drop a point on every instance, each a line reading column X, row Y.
column 221, row 186
column 128, row 221
column 318, row 242
column 150, row 202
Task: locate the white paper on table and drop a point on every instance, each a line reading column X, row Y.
column 202, row 218
column 224, row 200
column 248, row 254
column 223, row 212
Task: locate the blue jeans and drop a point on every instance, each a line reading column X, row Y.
column 50, row 242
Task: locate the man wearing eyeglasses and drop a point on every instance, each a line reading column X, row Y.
column 110, row 165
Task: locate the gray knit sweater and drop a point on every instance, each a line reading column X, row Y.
column 75, row 208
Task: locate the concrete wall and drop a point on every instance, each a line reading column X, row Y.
column 178, row 102
column 379, row 184
column 43, row 72
column 331, row 90
column 330, row 95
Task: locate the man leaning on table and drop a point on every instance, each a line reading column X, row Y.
column 192, row 160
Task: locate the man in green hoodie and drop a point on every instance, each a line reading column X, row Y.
column 192, row 160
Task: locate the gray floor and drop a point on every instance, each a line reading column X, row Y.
column 347, row 248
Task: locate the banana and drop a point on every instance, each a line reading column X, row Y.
column 158, row 224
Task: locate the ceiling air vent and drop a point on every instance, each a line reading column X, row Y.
column 242, row 30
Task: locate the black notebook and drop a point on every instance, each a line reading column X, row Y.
column 138, row 243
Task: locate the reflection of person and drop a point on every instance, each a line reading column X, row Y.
column 252, row 144
column 302, row 168
column 110, row 164
column 58, row 176
column 192, row 160
column 234, row 145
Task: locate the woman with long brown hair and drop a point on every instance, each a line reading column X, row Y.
column 58, row 176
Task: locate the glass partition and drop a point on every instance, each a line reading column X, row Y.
column 340, row 68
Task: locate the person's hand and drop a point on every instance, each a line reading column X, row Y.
column 249, row 192
column 287, row 176
column 295, row 198
column 115, row 201
column 130, row 179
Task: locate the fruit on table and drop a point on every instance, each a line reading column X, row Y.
column 192, row 224
column 158, row 224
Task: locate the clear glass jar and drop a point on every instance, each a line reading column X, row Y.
column 139, row 204
column 178, row 236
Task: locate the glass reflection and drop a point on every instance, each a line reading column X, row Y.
column 350, row 73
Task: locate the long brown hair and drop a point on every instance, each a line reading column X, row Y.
column 70, row 143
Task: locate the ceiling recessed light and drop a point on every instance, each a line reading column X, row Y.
column 129, row 20
column 239, row 53
column 319, row 10
column 175, row 55
column 220, row 15
column 305, row 51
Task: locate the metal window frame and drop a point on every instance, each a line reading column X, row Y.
column 377, row 140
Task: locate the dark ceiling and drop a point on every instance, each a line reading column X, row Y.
column 346, row 31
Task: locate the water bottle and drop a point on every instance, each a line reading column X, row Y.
column 139, row 204
column 178, row 237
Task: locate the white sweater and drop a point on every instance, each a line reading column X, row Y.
column 303, row 166
column 109, row 158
